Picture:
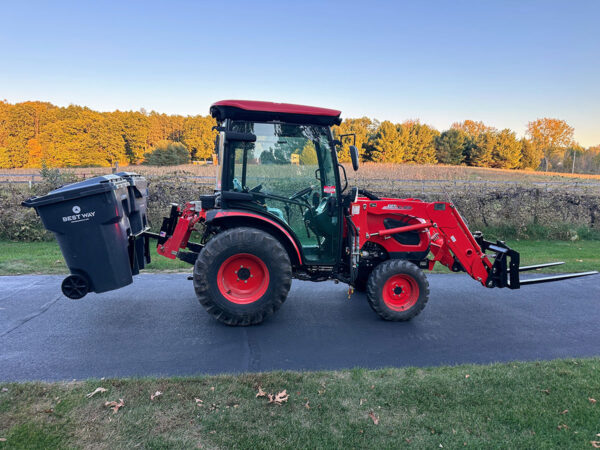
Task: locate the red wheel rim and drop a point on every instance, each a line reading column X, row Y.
column 400, row 292
column 243, row 278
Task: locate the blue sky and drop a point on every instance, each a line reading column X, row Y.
column 504, row 62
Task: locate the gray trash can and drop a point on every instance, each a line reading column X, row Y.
column 89, row 220
column 138, row 219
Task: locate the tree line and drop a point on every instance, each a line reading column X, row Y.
column 33, row 134
column 549, row 145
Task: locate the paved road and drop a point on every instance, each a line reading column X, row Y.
column 156, row 327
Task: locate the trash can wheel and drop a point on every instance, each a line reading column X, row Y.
column 75, row 287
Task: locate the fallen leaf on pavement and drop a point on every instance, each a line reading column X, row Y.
column 115, row 405
column 374, row 418
column 261, row 393
column 98, row 390
column 155, row 395
column 279, row 398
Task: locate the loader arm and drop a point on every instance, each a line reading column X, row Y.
column 450, row 240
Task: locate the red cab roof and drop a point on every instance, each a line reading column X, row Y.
column 251, row 108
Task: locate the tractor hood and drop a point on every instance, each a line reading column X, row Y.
column 268, row 111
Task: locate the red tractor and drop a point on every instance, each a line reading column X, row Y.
column 283, row 209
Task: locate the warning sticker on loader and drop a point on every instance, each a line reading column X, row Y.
column 329, row 189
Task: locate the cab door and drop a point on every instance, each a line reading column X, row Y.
column 289, row 173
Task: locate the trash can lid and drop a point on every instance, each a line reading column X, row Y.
column 132, row 177
column 80, row 189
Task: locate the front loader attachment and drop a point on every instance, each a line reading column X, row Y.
column 506, row 267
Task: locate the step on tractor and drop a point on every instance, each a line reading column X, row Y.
column 282, row 208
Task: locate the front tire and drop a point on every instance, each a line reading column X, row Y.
column 397, row 290
column 242, row 276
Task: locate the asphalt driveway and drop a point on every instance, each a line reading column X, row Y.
column 157, row 327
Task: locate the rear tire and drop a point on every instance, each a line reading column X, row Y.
column 397, row 290
column 242, row 276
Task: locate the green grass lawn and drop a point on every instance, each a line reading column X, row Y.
column 45, row 257
column 516, row 405
column 17, row 258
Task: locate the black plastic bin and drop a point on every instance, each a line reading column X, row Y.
column 138, row 219
column 89, row 220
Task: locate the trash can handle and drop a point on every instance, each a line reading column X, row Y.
column 33, row 203
column 125, row 203
column 28, row 203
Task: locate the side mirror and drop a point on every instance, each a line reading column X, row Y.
column 354, row 157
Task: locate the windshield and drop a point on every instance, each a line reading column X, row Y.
column 284, row 159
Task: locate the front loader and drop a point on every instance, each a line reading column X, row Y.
column 282, row 209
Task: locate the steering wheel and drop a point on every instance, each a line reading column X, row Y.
column 301, row 193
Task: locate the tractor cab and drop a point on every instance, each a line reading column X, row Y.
column 279, row 161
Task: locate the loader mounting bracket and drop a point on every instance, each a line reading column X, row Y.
column 505, row 269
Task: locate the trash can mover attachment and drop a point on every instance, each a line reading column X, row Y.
column 276, row 214
column 99, row 224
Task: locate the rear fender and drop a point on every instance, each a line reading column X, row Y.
column 234, row 218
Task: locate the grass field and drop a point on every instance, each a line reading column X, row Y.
column 17, row 258
column 516, row 405
column 367, row 171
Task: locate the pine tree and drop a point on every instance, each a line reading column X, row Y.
column 450, row 146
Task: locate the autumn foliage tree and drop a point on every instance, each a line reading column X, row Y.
column 363, row 128
column 550, row 136
column 472, row 127
column 388, row 143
